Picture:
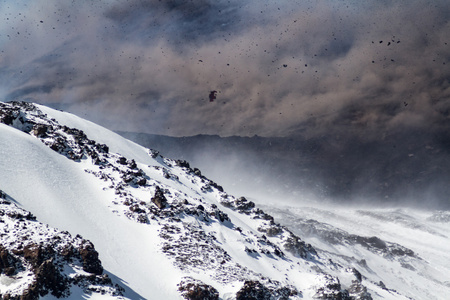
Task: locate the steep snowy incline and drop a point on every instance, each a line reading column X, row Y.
column 32, row 170
column 60, row 193
column 155, row 222
column 115, row 142
column 165, row 231
column 36, row 260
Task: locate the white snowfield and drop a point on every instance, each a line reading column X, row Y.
column 65, row 194
column 424, row 232
column 59, row 193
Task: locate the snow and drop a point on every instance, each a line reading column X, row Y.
column 60, row 193
column 9, row 283
column 423, row 278
column 115, row 142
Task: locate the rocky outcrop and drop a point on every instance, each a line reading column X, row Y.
column 89, row 258
column 159, row 199
column 193, row 289
column 209, row 184
column 331, row 289
column 243, row 205
column 359, row 292
column 255, row 290
column 70, row 142
column 45, row 256
column 9, row 264
column 297, row 247
column 49, row 279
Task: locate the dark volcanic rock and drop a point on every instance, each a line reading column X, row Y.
column 122, row 160
column 44, row 254
column 298, row 247
column 242, row 204
column 182, row 163
column 40, row 130
column 89, row 256
column 358, row 291
column 8, row 263
column 193, row 289
column 253, row 290
column 48, row 278
column 159, row 199
column 36, row 254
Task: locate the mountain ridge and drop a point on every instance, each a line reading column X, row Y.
column 143, row 211
column 396, row 169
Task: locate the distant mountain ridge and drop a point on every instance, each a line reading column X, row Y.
column 150, row 227
column 399, row 168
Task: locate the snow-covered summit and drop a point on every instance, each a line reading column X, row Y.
column 162, row 230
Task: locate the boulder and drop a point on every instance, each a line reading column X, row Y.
column 122, row 160
column 253, row 290
column 49, row 279
column 159, row 199
column 89, row 257
column 40, row 130
column 243, row 205
column 193, row 289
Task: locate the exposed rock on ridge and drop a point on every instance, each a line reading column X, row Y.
column 38, row 258
column 187, row 224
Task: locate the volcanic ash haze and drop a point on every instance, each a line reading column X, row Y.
column 281, row 68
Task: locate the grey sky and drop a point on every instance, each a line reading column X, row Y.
column 280, row 67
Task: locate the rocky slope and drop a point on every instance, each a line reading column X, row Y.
column 36, row 260
column 217, row 246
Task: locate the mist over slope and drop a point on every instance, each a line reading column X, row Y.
column 399, row 169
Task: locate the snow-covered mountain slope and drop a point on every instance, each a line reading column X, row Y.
column 38, row 260
column 164, row 231
column 406, row 251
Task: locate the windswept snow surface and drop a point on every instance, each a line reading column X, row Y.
column 426, row 233
column 60, row 193
column 204, row 234
column 71, row 182
column 115, row 142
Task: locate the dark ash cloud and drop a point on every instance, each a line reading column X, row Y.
column 179, row 22
column 285, row 68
